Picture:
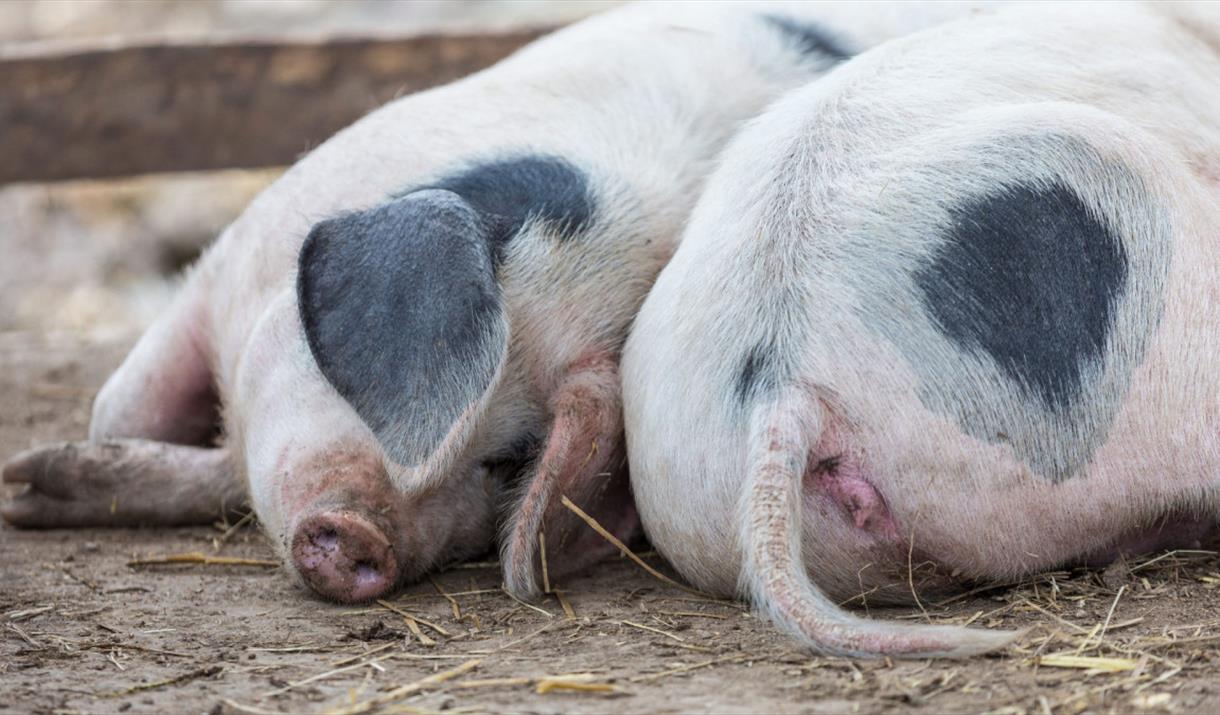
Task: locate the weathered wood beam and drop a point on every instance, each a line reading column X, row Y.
column 107, row 112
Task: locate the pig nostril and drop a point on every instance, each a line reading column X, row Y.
column 327, row 539
column 367, row 573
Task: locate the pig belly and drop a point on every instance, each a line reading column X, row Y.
column 886, row 535
column 935, row 552
column 981, row 514
column 1086, row 521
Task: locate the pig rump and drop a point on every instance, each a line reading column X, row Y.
column 782, row 433
column 838, row 315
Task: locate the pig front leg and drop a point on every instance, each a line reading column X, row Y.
column 582, row 459
column 144, row 463
column 123, row 482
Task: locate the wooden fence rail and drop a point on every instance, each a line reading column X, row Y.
column 108, row 112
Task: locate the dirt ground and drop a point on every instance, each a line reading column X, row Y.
column 85, row 630
column 83, row 266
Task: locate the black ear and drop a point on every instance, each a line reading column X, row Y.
column 402, row 312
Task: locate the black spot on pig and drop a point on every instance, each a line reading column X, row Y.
column 755, row 374
column 1030, row 276
column 510, row 192
column 810, row 39
column 401, row 309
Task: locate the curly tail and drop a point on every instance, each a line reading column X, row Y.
column 782, row 432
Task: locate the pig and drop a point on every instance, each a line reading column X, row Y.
column 946, row 316
column 413, row 336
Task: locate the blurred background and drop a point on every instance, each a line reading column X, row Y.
column 100, row 258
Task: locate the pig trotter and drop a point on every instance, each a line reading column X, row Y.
column 774, row 573
column 578, row 461
column 125, row 482
column 344, row 557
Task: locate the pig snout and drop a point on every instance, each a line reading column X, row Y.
column 342, row 523
column 344, row 556
column 351, row 535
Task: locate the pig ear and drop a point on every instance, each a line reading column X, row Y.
column 402, row 312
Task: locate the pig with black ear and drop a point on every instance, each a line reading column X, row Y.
column 421, row 321
column 948, row 315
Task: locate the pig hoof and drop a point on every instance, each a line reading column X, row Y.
column 343, row 557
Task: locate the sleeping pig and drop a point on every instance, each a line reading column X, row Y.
column 948, row 315
column 419, row 324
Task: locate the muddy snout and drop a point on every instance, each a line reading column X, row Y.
column 344, row 557
column 343, row 536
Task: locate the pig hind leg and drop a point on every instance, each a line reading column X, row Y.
column 583, row 460
column 774, row 575
column 164, row 389
column 144, row 463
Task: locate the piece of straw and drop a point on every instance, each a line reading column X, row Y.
column 623, row 547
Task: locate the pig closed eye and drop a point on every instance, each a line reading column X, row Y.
column 508, row 466
column 505, row 472
column 829, row 465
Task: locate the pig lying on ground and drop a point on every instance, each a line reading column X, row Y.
column 433, row 302
column 949, row 314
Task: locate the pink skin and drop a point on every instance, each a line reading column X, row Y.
column 582, row 460
column 841, row 474
column 352, row 536
column 314, row 473
column 970, row 530
column 343, row 556
column 341, row 511
column 878, row 532
column 779, row 472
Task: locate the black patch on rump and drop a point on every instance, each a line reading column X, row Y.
column 810, row 39
column 510, row 192
column 1030, row 276
column 401, row 309
column 755, row 374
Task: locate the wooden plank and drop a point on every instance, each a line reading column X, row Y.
column 106, row 112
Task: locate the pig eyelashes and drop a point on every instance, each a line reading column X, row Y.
column 1031, row 277
column 401, row 310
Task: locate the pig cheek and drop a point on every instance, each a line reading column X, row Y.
column 452, row 522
